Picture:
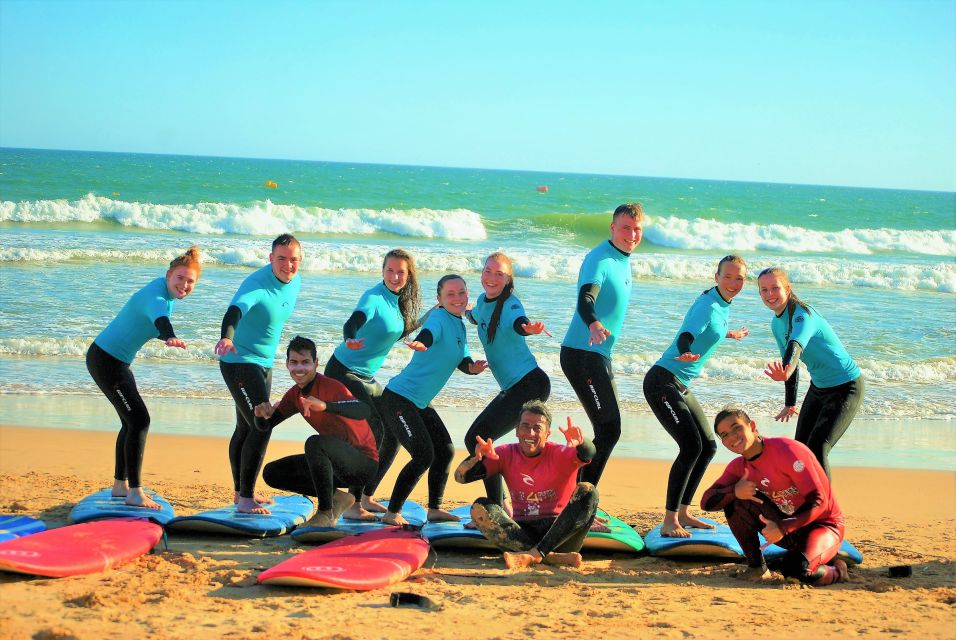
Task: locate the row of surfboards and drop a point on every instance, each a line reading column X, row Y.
column 354, row 555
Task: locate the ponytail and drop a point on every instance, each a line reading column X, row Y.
column 190, row 260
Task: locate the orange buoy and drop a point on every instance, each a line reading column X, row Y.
column 270, row 184
column 542, row 188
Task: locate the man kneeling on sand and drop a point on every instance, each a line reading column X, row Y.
column 552, row 510
column 778, row 488
column 343, row 454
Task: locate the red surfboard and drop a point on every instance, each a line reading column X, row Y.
column 79, row 549
column 361, row 562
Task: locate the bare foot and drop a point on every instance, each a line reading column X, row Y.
column 250, row 505
column 120, row 489
column 357, row 512
column 571, row 559
column 395, row 519
column 138, row 498
column 340, row 502
column 599, row 527
column 843, row 572
column 324, row 519
column 692, row 522
column 601, row 519
column 258, row 497
column 371, row 504
column 440, row 515
column 754, row 574
column 521, row 559
column 469, row 525
column 673, row 530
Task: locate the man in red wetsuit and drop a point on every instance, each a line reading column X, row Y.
column 778, row 488
column 343, row 453
column 552, row 510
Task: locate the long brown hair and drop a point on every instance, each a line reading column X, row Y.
column 409, row 298
column 505, row 294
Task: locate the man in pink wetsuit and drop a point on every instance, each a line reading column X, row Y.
column 552, row 510
column 778, row 488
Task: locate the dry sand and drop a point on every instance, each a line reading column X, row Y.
column 205, row 587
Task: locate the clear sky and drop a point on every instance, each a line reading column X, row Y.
column 851, row 93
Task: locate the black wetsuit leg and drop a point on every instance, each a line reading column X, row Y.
column 501, row 417
column 591, row 378
column 327, row 463
column 368, row 390
column 249, row 385
column 825, row 416
column 424, row 436
column 116, row 381
column 681, row 416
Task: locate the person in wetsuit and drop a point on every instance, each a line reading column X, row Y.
column 777, row 487
column 250, row 334
column 553, row 512
column 440, row 347
column 503, row 326
column 384, row 314
column 144, row 317
column 604, row 289
column 344, row 452
column 836, row 384
column 666, row 389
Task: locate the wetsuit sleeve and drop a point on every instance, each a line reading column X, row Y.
column 684, row 341
column 463, row 365
column 339, row 400
column 721, row 493
column 813, row 488
column 353, row 324
column 165, row 328
column 518, row 323
column 283, row 410
column 477, row 472
column 354, row 409
column 425, row 337
column 586, row 451
column 470, row 316
column 804, row 326
column 230, row 321
column 587, row 296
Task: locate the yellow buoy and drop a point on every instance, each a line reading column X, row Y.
column 270, row 184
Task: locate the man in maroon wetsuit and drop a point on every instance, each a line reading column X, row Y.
column 778, row 488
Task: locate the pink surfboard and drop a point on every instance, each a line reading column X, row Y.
column 361, row 562
column 79, row 549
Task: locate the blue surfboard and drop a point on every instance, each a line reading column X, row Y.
column 412, row 511
column 18, row 526
column 848, row 553
column 621, row 538
column 288, row 512
column 454, row 535
column 703, row 543
column 103, row 506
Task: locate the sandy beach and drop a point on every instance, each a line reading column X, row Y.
column 205, row 587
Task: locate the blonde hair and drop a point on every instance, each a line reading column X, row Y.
column 190, row 260
column 495, row 319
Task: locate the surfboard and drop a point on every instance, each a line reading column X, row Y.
column 413, row 512
column 849, row 553
column 18, row 526
column 288, row 512
column 358, row 562
column 80, row 549
column 454, row 535
column 621, row 538
column 703, row 543
column 102, row 506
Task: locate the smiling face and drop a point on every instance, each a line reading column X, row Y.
column 738, row 434
column 626, row 232
column 495, row 275
column 730, row 279
column 774, row 291
column 533, row 432
column 180, row 281
column 453, row 296
column 395, row 274
column 301, row 366
column 285, row 260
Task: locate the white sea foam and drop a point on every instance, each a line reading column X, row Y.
column 260, row 218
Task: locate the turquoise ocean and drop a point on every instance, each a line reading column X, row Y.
column 81, row 231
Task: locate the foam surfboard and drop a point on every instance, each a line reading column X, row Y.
column 288, row 512
column 79, row 549
column 358, row 562
column 849, row 553
column 703, row 543
column 412, row 511
column 454, row 535
column 18, row 526
column 621, row 538
column 103, row 506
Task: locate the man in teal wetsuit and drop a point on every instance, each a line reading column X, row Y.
column 251, row 330
column 604, row 290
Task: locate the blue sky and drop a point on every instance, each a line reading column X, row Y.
column 852, row 93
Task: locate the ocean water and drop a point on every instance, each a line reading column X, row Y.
column 80, row 232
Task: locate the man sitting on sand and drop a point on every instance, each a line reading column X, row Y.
column 778, row 488
column 342, row 455
column 552, row 510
